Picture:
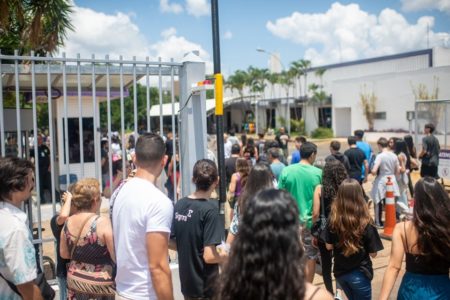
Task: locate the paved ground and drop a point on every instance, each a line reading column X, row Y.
column 380, row 262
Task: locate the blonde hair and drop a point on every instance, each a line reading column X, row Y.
column 349, row 216
column 85, row 192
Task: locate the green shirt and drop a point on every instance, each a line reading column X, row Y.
column 300, row 180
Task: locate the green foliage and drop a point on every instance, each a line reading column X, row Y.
column 282, row 121
column 129, row 108
column 298, row 126
column 322, row 133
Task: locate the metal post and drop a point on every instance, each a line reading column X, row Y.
column 80, row 117
column 96, row 122
column 36, row 156
column 256, row 115
column 51, row 134
column 135, row 106
column 161, row 133
column 66, row 123
column 122, row 123
column 2, row 116
column 219, row 103
column 108, row 106
column 174, row 135
column 445, row 126
column 416, row 116
column 19, row 128
column 147, row 83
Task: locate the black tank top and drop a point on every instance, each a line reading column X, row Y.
column 420, row 264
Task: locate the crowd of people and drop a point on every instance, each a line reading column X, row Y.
column 285, row 215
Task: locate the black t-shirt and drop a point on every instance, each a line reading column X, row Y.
column 356, row 159
column 61, row 267
column 431, row 145
column 230, row 167
column 44, row 157
column 196, row 224
column 370, row 243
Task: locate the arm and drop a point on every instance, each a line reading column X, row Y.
column 173, row 244
column 106, row 226
column 316, row 203
column 402, row 167
column 375, row 168
column 395, row 262
column 63, row 249
column 65, row 210
column 232, row 187
column 329, row 246
column 366, row 170
column 211, row 256
column 29, row 290
column 230, row 238
column 158, row 260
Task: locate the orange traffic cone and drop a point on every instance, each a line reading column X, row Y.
column 390, row 221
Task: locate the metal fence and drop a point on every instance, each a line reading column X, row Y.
column 72, row 90
column 435, row 111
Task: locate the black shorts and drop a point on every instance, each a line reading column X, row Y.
column 426, row 170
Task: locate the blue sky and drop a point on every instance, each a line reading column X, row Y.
column 322, row 31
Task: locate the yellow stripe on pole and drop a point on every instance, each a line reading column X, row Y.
column 219, row 93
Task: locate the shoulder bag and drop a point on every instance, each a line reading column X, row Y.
column 319, row 227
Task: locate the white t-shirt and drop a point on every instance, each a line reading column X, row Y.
column 17, row 254
column 139, row 208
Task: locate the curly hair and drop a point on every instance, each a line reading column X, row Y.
column 431, row 218
column 85, row 192
column 334, row 173
column 14, row 173
column 266, row 259
column 349, row 216
column 259, row 178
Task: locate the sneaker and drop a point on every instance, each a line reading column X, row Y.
column 338, row 296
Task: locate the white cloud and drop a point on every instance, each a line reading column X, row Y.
column 416, row 5
column 228, row 35
column 167, row 7
column 345, row 32
column 198, row 8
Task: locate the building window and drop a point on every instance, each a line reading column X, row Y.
column 74, row 140
column 380, row 115
column 296, row 113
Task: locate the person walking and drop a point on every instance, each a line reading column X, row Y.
column 196, row 231
column 414, row 164
column 301, row 180
column 266, row 260
column 259, row 178
column 87, row 241
column 386, row 166
column 335, row 146
column 357, row 160
column 275, row 164
column 17, row 259
column 295, row 157
column 425, row 241
column 353, row 239
column 44, row 161
column 365, row 147
column 334, row 173
column 238, row 182
column 429, row 153
column 142, row 216
column 401, row 150
column 230, row 163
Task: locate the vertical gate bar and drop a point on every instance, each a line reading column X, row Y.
column 51, row 134
column 122, row 122
column 66, row 122
column 174, row 136
column 19, row 129
column 36, row 156
column 147, row 82
column 135, row 104
column 160, row 100
column 445, row 125
column 80, row 117
column 96, row 122
column 108, row 106
column 415, row 123
column 2, row 116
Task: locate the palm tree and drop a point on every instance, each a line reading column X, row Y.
column 297, row 70
column 286, row 80
column 35, row 25
column 238, row 81
column 317, row 99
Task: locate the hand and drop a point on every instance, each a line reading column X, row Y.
column 67, row 196
column 315, row 242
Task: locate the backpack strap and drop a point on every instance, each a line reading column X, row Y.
column 79, row 234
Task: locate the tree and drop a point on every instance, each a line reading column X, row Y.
column 35, row 25
column 421, row 93
column 368, row 103
column 237, row 81
column 297, row 70
column 318, row 98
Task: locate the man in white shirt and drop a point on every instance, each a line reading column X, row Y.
column 142, row 216
column 17, row 253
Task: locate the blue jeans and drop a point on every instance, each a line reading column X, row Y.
column 62, row 288
column 356, row 285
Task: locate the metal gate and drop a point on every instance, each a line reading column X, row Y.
column 74, row 92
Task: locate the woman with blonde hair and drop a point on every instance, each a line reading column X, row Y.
column 354, row 239
column 87, row 241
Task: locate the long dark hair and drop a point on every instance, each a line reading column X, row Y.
column 410, row 143
column 266, row 259
column 259, row 178
column 432, row 218
column 402, row 147
column 334, row 173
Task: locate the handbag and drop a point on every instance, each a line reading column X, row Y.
column 81, row 280
column 319, row 227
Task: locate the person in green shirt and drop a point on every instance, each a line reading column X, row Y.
column 301, row 180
